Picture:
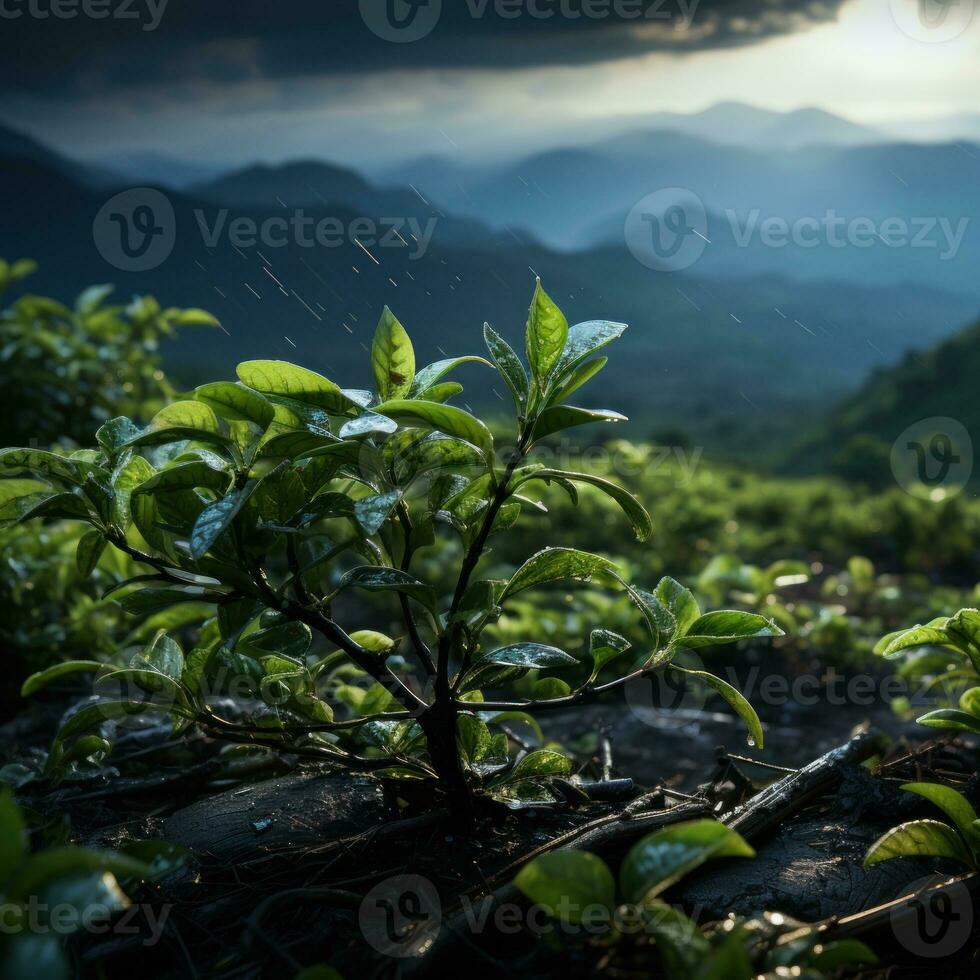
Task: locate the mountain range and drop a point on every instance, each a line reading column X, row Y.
column 732, row 349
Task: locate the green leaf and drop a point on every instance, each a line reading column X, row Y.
column 473, row 736
column 584, row 339
column 919, row 838
column 918, row 636
column 441, row 392
column 93, row 715
column 392, row 358
column 45, row 677
column 527, row 655
column 42, row 463
column 664, row 857
column 951, row 718
column 547, row 332
column 162, row 654
column 298, row 383
column 604, row 645
column 636, row 513
column 180, row 420
column 550, row 689
column 373, row 641
column 216, row 518
column 556, row 565
column 739, row 704
column 521, row 716
column 148, row 601
column 435, row 451
column 542, row 762
column 291, row 639
column 368, row 424
column 116, row 433
column 560, row 417
column 970, row 701
column 578, row 377
column 567, row 882
column 445, row 418
column 17, row 489
column 186, row 476
column 953, row 804
column 372, row 512
column 90, row 548
column 680, row 603
column 508, row 364
column 658, row 618
column 236, row 402
column 66, row 862
column 430, row 374
column 727, row 626
column 378, row 578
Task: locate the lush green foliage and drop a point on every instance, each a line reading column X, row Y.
column 946, row 652
column 64, row 370
column 932, row 838
column 71, row 883
column 286, row 502
column 576, row 886
column 855, row 440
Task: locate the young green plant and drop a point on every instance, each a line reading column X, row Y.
column 284, row 502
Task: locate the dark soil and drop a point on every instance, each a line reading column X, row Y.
column 287, row 857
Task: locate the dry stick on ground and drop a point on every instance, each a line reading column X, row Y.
column 770, row 807
column 761, row 814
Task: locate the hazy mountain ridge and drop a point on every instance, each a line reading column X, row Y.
column 855, row 438
column 732, row 360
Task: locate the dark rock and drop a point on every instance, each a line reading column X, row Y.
column 294, row 812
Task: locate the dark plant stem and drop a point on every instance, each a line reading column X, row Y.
column 439, row 720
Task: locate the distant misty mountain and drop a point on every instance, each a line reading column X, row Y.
column 911, row 206
column 158, row 169
column 15, row 145
column 316, row 185
column 732, row 361
column 963, row 128
column 737, row 124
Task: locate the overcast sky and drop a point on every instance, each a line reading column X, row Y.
column 241, row 80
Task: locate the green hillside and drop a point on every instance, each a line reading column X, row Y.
column 855, row 439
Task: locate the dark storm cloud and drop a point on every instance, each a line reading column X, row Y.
column 55, row 45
